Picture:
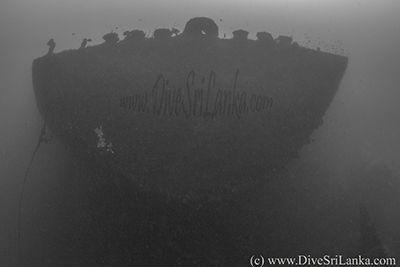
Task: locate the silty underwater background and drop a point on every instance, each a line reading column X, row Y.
column 354, row 156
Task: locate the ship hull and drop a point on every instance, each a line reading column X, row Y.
column 188, row 117
column 174, row 139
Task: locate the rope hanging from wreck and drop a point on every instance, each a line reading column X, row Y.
column 43, row 138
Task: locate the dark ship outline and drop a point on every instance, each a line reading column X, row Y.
column 218, row 225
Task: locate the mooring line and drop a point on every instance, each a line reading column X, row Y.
column 42, row 139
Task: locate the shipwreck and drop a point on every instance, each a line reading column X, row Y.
column 175, row 135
